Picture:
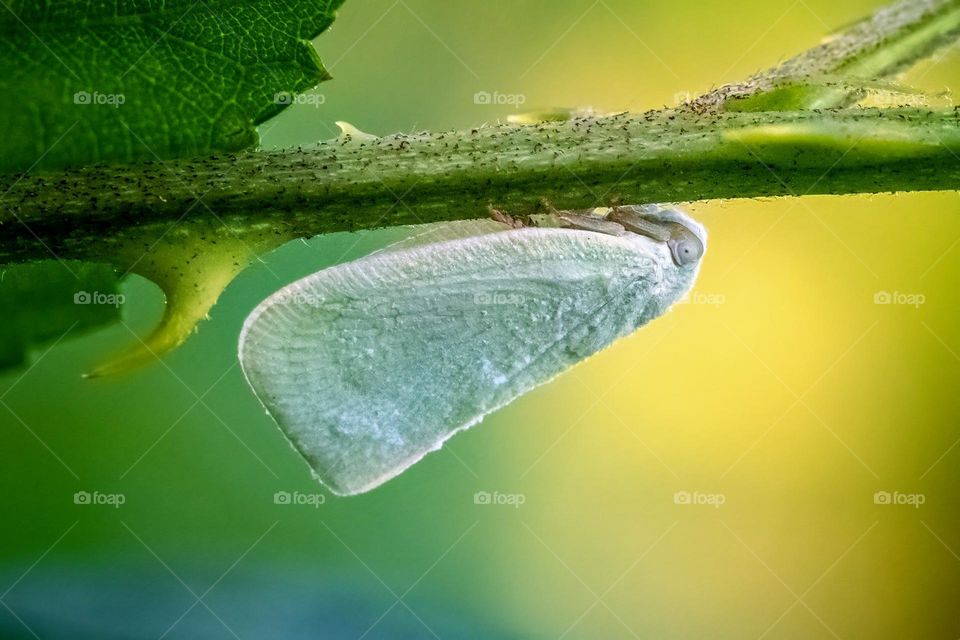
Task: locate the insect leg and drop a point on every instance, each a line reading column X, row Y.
column 591, row 223
column 633, row 220
column 509, row 220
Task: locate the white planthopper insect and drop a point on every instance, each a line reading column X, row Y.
column 368, row 366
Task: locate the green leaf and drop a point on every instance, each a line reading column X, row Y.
column 86, row 81
column 41, row 302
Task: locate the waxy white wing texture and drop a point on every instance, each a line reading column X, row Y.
column 370, row 365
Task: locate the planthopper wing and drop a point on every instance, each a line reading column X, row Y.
column 370, row 365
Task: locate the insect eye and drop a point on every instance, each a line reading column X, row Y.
column 686, row 248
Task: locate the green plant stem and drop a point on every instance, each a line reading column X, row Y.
column 346, row 185
column 886, row 43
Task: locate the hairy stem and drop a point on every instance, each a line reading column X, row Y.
column 886, row 43
column 348, row 185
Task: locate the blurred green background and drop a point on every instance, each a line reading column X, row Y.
column 781, row 390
